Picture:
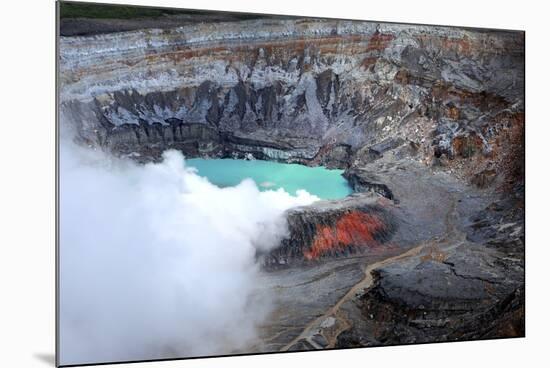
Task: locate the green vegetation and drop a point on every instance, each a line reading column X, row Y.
column 106, row 11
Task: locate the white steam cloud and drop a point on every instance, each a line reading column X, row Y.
column 157, row 262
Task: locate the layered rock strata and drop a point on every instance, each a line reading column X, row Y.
column 307, row 90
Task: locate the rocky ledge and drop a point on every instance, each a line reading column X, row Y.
column 460, row 294
column 356, row 225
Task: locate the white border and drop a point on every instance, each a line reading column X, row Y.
column 27, row 181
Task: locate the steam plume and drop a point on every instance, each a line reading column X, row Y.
column 157, row 262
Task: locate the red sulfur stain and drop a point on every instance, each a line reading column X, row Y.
column 354, row 228
column 379, row 41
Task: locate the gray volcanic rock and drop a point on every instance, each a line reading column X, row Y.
column 501, row 226
column 327, row 229
column 471, row 293
column 300, row 90
column 365, row 181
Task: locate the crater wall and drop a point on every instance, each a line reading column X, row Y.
column 297, row 90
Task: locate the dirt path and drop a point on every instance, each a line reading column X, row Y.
column 364, row 283
column 333, row 322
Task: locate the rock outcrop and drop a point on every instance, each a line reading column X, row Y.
column 304, row 90
column 467, row 293
column 358, row 224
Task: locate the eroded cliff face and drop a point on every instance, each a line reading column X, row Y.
column 305, row 90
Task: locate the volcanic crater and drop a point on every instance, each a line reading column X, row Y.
column 426, row 121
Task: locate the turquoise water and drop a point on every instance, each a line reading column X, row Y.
column 322, row 182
